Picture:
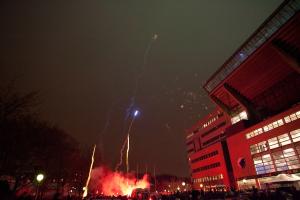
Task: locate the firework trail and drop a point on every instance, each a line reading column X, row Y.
column 89, row 176
column 105, row 127
column 121, row 156
column 132, row 101
column 127, row 155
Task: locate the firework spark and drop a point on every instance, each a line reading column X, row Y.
column 110, row 183
column 127, row 154
column 89, row 176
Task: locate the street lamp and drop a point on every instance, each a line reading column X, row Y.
column 39, row 178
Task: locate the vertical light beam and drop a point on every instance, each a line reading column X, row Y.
column 89, row 176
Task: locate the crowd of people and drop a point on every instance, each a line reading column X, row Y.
column 255, row 194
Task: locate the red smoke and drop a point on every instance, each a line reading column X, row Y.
column 111, row 183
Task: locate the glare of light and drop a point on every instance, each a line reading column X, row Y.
column 201, row 185
column 136, row 113
column 40, row 177
column 178, row 188
column 183, row 183
column 244, row 180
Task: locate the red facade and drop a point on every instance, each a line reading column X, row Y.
column 254, row 129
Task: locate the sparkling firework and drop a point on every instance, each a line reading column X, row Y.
column 115, row 183
column 89, row 176
column 135, row 91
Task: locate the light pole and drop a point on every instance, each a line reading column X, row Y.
column 39, row 178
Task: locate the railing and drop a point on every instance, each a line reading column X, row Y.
column 264, row 32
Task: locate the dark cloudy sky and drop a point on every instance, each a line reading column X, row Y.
column 84, row 56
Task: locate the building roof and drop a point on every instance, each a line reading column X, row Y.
column 279, row 18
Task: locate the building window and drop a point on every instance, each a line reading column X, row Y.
column 266, row 128
column 273, row 143
column 295, row 135
column 242, row 115
column 268, row 163
column 286, row 159
column 279, row 161
column 257, row 148
column 292, row 117
column 254, row 133
column 206, row 167
column 291, row 158
column 205, row 156
column 259, row 166
column 273, row 125
column 284, row 139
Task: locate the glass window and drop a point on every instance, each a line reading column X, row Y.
column 287, row 119
column 288, row 152
column 257, row 160
column 264, row 164
column 284, row 139
column 295, row 135
column 266, row 128
column 262, row 146
column 291, row 158
column 279, row 161
column 259, row 166
column 243, row 115
column 280, row 122
column 273, row 143
column 275, row 124
column 293, row 117
column 298, row 114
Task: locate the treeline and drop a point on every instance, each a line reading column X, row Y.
column 30, row 145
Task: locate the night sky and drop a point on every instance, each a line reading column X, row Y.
column 85, row 56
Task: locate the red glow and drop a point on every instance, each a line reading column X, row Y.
column 116, row 183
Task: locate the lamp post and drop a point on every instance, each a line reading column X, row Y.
column 39, row 178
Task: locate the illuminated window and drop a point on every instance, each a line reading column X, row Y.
column 298, row 114
column 287, row 119
column 259, row 167
column 242, row 115
column 268, row 163
column 291, row 158
column 258, row 131
column 262, row 146
column 273, row 143
column 257, row 148
column 279, row 161
column 284, row 139
column 273, row 125
column 263, row 164
column 292, row 117
column 295, row 135
column 270, row 126
column 266, row 128
column 280, row 122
